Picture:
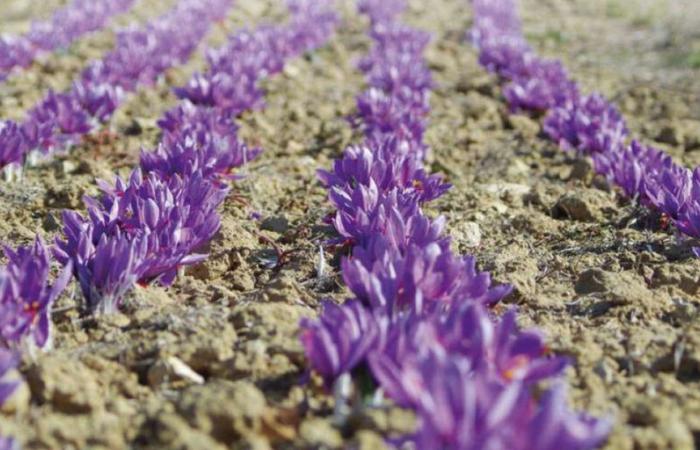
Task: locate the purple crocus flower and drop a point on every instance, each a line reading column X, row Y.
column 554, row 426
column 147, row 226
column 380, row 115
column 634, row 168
column 466, row 331
column 312, row 23
column 462, row 409
column 188, row 115
column 15, row 51
column 388, row 165
column 74, row 20
column 139, row 57
column 152, row 224
column 222, row 90
column 12, row 144
column 381, row 11
column 459, row 409
column 26, row 293
column 66, row 25
column 107, row 269
column 172, row 218
column 546, row 85
column 467, row 377
column 670, row 189
column 365, row 210
column 251, row 55
column 395, row 66
column 461, row 406
column 99, row 100
column 58, row 120
column 340, row 339
column 198, row 139
column 509, row 56
column 424, row 277
column 587, row 124
column 500, row 346
column 214, row 157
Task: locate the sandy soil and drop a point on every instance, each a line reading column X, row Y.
column 606, row 281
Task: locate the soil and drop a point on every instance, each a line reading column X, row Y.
column 214, row 361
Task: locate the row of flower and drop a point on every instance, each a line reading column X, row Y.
column 419, row 322
column 139, row 57
column 587, row 124
column 143, row 229
column 65, row 26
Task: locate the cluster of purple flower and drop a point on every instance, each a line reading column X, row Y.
column 231, row 84
column 26, row 298
column 67, row 24
column 144, row 229
column 139, row 57
column 587, row 124
column 418, row 320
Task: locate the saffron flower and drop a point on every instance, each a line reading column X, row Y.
column 106, row 269
column 381, row 116
column 381, row 11
column 341, row 339
column 388, row 165
column 418, row 318
column 463, row 330
column 12, row 143
column 153, row 225
column 58, row 120
column 587, row 124
column 422, row 278
column 26, row 297
column 546, row 86
column 462, row 409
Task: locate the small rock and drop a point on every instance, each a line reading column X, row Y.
column 223, row 409
column 692, row 136
column 590, row 281
column 582, row 205
column 18, row 401
column 468, row 234
column 477, row 106
column 683, row 311
column 278, row 224
column 507, row 189
column 133, row 129
column 172, row 369
column 619, row 288
column 582, row 169
column 291, row 70
column 171, row 431
column 671, row 134
column 524, row 125
column 320, row 432
column 243, row 279
column 68, row 167
column 115, row 320
column 66, row 384
column 369, row 440
column 517, row 168
column 683, row 277
column 285, row 289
